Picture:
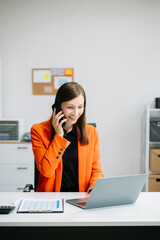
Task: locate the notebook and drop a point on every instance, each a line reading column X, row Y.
column 112, row 191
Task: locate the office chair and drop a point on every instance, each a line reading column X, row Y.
column 30, row 187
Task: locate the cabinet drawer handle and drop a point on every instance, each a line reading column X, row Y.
column 22, row 168
column 19, row 188
column 22, row 147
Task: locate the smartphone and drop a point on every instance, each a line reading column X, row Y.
column 58, row 109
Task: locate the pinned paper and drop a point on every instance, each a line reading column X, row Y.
column 45, row 76
column 68, row 72
column 60, row 71
column 47, row 89
column 58, row 81
column 54, row 71
column 42, row 76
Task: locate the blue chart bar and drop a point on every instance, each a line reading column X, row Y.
column 58, row 204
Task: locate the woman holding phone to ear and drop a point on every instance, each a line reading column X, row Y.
column 66, row 149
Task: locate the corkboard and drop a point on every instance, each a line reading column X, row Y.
column 46, row 81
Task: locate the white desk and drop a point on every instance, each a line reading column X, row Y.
column 145, row 212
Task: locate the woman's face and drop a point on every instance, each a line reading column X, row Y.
column 73, row 109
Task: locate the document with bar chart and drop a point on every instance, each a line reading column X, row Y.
column 41, row 206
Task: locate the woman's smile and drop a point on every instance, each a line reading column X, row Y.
column 73, row 118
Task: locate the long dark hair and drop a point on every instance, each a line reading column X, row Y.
column 67, row 92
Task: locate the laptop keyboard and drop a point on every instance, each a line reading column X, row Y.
column 78, row 201
column 83, row 204
column 81, row 200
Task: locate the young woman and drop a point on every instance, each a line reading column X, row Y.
column 68, row 157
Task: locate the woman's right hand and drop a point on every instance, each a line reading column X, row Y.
column 56, row 124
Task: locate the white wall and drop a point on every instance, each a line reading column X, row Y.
column 113, row 46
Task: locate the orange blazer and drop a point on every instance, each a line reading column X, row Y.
column 48, row 156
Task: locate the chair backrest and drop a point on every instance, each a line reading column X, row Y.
column 93, row 124
column 36, row 176
column 36, row 171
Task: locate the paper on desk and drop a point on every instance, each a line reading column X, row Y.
column 40, row 205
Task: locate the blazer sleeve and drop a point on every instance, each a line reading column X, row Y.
column 47, row 156
column 96, row 164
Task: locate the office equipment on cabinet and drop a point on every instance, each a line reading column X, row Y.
column 152, row 141
column 11, row 130
column 26, row 137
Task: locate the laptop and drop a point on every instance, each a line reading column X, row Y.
column 111, row 191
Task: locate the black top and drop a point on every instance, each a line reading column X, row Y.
column 70, row 164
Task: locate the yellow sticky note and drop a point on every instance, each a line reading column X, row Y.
column 68, row 72
column 46, row 76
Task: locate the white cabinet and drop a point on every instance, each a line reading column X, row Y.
column 0, row 88
column 150, row 113
column 16, row 166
